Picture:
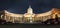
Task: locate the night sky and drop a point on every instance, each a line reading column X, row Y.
column 21, row 6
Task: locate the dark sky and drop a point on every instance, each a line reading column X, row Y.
column 21, row 6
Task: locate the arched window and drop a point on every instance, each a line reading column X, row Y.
column 1, row 16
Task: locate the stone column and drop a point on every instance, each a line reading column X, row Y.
column 22, row 19
column 48, row 16
column 30, row 19
column 19, row 19
column 13, row 19
column 5, row 17
column 54, row 16
column 9, row 18
column 42, row 18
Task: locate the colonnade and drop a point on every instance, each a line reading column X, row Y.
column 43, row 18
column 20, row 19
column 9, row 18
column 12, row 19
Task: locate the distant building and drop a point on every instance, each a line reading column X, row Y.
column 28, row 17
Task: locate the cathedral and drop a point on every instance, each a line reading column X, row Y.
column 29, row 17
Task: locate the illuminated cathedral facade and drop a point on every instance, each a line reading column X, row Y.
column 29, row 17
